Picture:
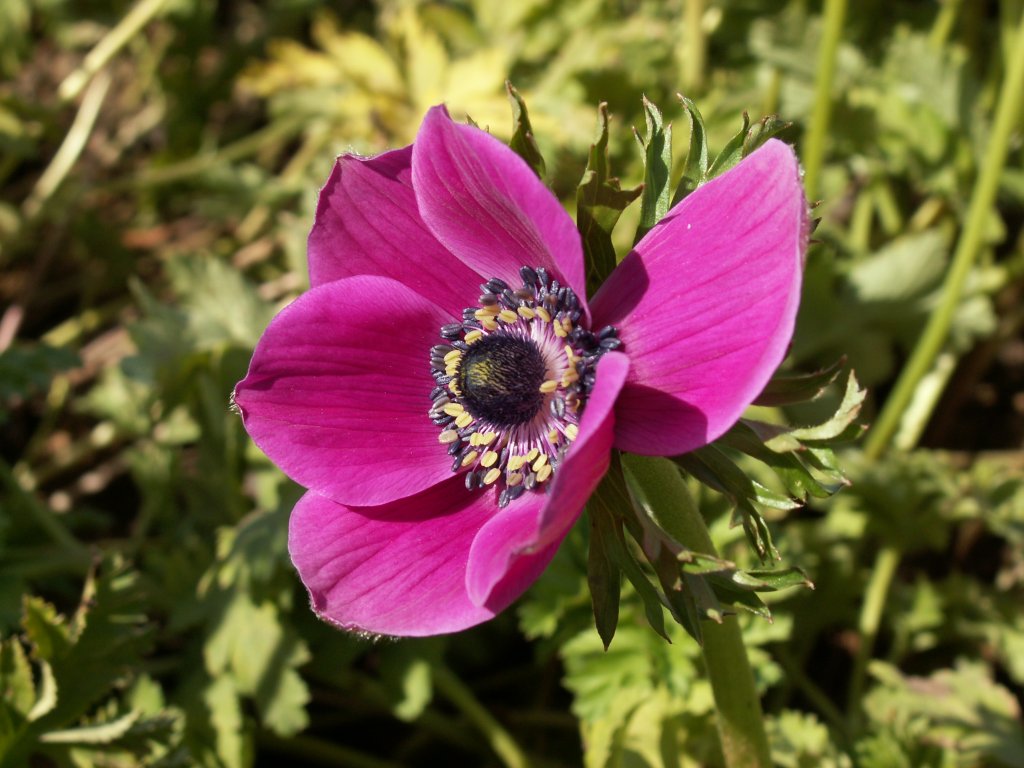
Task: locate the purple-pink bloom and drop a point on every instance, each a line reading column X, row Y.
column 450, row 398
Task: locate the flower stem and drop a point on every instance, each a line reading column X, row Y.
column 882, row 574
column 740, row 720
column 814, row 142
column 1011, row 98
column 500, row 740
column 695, row 46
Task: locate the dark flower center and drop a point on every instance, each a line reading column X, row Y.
column 500, row 379
column 513, row 377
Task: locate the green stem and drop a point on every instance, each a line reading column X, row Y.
column 694, row 46
column 1011, row 97
column 817, row 132
column 870, row 620
column 943, row 24
column 504, row 746
column 140, row 15
column 740, row 720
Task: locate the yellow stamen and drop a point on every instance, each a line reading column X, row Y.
column 559, row 330
column 508, row 316
column 554, row 436
column 567, row 324
column 540, row 462
column 452, row 356
column 489, row 458
column 568, row 353
column 489, row 323
column 491, row 476
column 532, row 454
column 572, row 431
column 452, row 369
column 543, row 473
column 515, row 462
column 543, row 314
column 453, row 409
column 569, row 377
column 514, row 479
column 549, row 386
column 485, row 313
column 448, row 436
column 526, row 312
column 487, row 438
column 469, row 458
column 463, row 420
column 473, row 336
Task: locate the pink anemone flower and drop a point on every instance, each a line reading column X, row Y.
column 450, row 398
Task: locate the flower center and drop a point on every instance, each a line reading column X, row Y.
column 500, row 378
column 512, row 381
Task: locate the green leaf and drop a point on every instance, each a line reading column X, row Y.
column 523, row 142
column 695, row 169
column 47, row 699
column 789, row 467
column 260, row 653
column 657, row 146
column 771, row 580
column 405, row 672
column 840, row 427
column 599, row 203
column 16, row 677
column 46, row 630
column 603, row 575
column 731, row 153
column 615, row 506
column 800, row 388
column 102, row 733
column 768, row 127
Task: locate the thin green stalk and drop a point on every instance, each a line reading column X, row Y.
column 695, row 46
column 817, row 132
column 1011, row 98
column 945, row 19
column 140, row 14
column 274, row 133
column 739, row 719
column 870, row 620
column 500, row 740
column 70, row 149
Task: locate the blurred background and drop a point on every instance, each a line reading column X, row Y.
column 159, row 164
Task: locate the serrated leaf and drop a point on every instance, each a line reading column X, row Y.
column 657, row 155
column 731, row 153
column 19, row 691
column 599, row 203
column 254, row 647
column 46, row 630
column 102, row 733
column 801, row 388
column 523, row 142
column 799, row 481
column 695, row 169
column 840, row 426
